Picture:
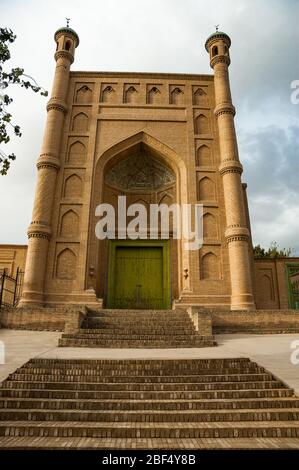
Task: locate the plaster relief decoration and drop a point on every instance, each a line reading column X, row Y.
column 139, row 171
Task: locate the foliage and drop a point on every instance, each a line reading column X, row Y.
column 14, row 76
column 273, row 251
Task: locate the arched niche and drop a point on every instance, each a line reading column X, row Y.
column 77, row 153
column 200, row 97
column 210, row 267
column 73, row 186
column 203, row 156
column 201, row 125
column 84, row 94
column 177, row 96
column 69, row 225
column 66, row 265
column 210, row 229
column 80, row 122
column 108, row 94
column 131, row 95
column 206, row 189
column 154, row 95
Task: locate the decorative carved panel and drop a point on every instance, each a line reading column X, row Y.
column 139, row 171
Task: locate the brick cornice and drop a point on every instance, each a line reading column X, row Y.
column 141, row 75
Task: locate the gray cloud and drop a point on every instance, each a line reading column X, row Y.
column 169, row 36
column 271, row 163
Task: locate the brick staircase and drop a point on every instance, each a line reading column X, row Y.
column 204, row 403
column 137, row 329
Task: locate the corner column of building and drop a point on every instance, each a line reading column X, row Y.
column 48, row 164
column 237, row 232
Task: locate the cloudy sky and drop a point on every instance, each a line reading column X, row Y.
column 169, row 36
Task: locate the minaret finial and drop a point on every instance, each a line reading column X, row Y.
column 217, row 27
column 68, row 22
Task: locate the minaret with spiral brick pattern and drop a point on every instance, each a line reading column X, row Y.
column 237, row 233
column 48, row 164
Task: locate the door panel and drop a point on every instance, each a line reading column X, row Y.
column 150, row 271
column 138, row 278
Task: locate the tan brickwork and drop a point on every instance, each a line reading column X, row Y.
column 12, row 257
column 184, row 122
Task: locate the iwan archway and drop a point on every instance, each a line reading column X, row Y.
column 140, row 273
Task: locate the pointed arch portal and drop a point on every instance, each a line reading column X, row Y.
column 137, row 272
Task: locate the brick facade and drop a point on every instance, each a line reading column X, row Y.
column 182, row 123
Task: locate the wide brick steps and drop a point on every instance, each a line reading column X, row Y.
column 54, row 403
column 89, row 443
column 113, row 343
column 186, row 379
column 245, row 429
column 138, row 337
column 86, row 392
column 107, row 330
column 179, row 404
column 137, row 329
column 148, row 415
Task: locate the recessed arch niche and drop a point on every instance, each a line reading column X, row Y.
column 145, row 171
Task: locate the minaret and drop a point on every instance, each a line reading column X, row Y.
column 48, row 164
column 237, row 233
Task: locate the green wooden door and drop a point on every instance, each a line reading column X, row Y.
column 292, row 272
column 138, row 280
